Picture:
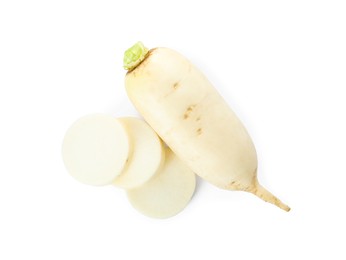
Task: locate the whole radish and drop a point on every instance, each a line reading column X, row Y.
column 193, row 119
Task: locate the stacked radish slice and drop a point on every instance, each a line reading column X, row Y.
column 126, row 152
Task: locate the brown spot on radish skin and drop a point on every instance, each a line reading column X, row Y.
column 198, row 118
column 176, row 85
column 127, row 162
column 235, row 185
column 189, row 111
column 199, row 131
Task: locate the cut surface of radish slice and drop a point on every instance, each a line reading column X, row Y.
column 95, row 149
column 146, row 157
column 168, row 192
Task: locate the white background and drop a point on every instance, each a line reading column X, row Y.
column 281, row 65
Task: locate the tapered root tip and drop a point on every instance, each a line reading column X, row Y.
column 265, row 195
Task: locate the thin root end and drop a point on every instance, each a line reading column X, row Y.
column 265, row 195
column 283, row 206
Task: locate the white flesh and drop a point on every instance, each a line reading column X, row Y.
column 95, row 149
column 147, row 154
column 168, row 192
column 188, row 113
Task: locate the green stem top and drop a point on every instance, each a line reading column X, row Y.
column 134, row 55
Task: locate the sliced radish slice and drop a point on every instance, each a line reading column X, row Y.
column 95, row 149
column 146, row 157
column 168, row 192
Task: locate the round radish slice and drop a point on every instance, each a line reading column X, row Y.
column 168, row 192
column 95, row 149
column 146, row 157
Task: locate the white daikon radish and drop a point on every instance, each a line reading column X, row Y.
column 168, row 192
column 146, row 157
column 192, row 118
column 95, row 149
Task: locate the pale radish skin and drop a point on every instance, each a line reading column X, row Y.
column 188, row 113
column 168, row 192
column 95, row 149
column 147, row 154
